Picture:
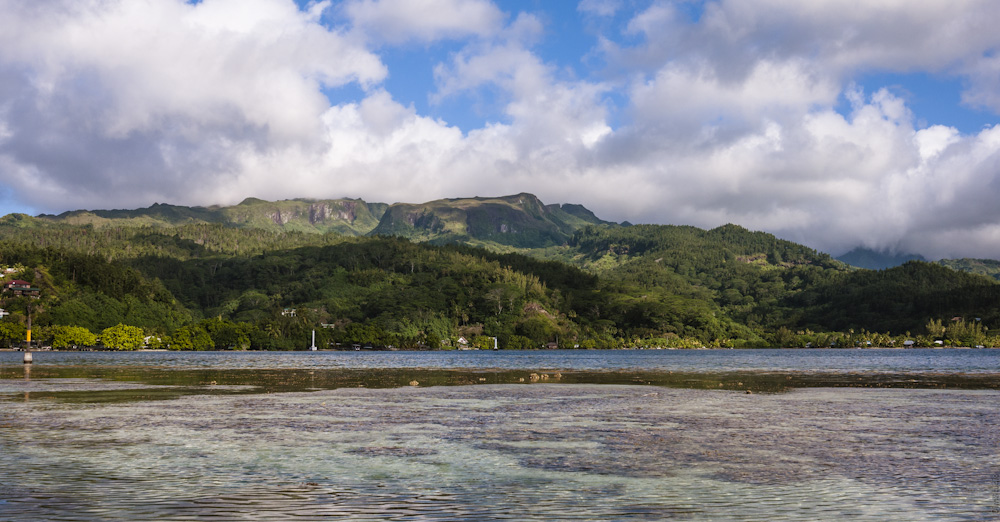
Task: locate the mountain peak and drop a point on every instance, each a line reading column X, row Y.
column 519, row 220
column 863, row 257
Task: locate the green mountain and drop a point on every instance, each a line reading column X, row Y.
column 352, row 217
column 520, row 221
column 986, row 267
column 262, row 274
column 877, row 259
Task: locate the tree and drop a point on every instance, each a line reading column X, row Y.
column 935, row 328
column 785, row 338
column 539, row 328
column 227, row 334
column 72, row 336
column 432, row 340
column 11, row 333
column 122, row 337
column 191, row 338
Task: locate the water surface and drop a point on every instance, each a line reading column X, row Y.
column 852, row 434
column 827, row 360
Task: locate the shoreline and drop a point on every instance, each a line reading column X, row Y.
column 47, row 349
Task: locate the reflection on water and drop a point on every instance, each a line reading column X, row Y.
column 542, row 451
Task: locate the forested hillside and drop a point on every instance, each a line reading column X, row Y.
column 986, row 267
column 771, row 285
column 187, row 280
column 82, row 290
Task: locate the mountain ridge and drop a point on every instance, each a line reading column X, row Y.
column 515, row 221
column 503, row 223
column 352, row 217
column 520, row 220
column 510, row 267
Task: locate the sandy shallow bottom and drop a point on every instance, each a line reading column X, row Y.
column 541, row 451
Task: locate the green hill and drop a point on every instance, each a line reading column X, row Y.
column 985, row 267
column 766, row 284
column 520, row 221
column 352, row 217
column 83, row 290
column 897, row 299
column 729, row 273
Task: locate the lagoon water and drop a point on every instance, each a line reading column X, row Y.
column 855, row 434
column 835, row 360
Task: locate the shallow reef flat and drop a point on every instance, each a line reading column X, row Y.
column 549, row 449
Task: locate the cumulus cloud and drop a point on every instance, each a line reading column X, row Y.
column 887, row 34
column 826, row 179
column 744, row 112
column 732, row 118
column 599, row 7
column 398, row 21
column 547, row 115
column 115, row 102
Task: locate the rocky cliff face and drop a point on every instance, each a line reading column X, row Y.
column 346, row 216
column 521, row 220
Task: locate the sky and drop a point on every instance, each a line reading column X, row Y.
column 832, row 123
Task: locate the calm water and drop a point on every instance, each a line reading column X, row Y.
column 826, row 360
column 644, row 435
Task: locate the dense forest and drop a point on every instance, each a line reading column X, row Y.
column 125, row 282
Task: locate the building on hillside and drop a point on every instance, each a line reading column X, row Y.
column 17, row 287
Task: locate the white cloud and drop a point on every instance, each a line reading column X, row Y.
column 695, row 98
column 732, row 36
column 824, row 179
column 548, row 116
column 599, row 7
column 500, row 62
column 739, row 116
column 126, row 101
column 732, row 119
column 932, row 141
column 399, row 21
